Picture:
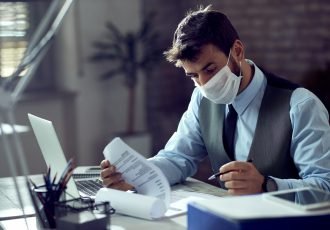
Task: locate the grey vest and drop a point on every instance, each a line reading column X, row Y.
column 270, row 148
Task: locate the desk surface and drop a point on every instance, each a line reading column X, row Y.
column 11, row 214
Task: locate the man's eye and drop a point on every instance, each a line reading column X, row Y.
column 210, row 71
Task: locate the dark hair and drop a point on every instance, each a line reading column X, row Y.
column 198, row 28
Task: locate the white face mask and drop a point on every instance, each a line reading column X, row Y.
column 223, row 87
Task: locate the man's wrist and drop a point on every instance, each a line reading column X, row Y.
column 269, row 184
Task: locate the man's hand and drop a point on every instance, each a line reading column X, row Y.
column 241, row 178
column 111, row 178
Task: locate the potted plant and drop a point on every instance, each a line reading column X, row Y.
column 128, row 54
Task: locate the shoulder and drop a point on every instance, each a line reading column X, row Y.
column 306, row 102
column 302, row 99
column 302, row 96
column 279, row 82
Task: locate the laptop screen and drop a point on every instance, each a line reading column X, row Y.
column 51, row 150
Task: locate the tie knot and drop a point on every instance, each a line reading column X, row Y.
column 231, row 109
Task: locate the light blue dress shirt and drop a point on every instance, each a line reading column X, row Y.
column 310, row 144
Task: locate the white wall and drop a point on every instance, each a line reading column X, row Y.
column 101, row 109
column 95, row 110
column 101, row 106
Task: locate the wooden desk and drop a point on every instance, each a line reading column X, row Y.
column 11, row 214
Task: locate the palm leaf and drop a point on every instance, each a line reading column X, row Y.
column 111, row 73
column 115, row 34
column 104, row 57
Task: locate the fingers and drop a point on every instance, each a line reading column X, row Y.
column 240, row 187
column 241, row 178
column 122, row 185
column 116, row 181
column 104, row 164
column 234, row 175
column 236, row 170
column 235, row 166
column 235, row 182
column 111, row 178
column 111, row 182
column 107, row 172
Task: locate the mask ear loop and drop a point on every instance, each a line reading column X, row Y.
column 195, row 82
column 240, row 64
column 228, row 56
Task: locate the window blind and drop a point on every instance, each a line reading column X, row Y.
column 14, row 24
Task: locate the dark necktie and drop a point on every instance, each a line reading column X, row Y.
column 229, row 131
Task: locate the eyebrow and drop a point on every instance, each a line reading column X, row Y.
column 204, row 68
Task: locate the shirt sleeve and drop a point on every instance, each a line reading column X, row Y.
column 185, row 149
column 310, row 146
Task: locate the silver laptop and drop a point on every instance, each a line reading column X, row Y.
column 54, row 157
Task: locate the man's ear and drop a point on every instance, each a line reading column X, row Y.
column 238, row 50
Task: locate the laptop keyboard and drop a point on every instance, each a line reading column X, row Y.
column 89, row 187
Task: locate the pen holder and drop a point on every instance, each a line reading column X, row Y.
column 44, row 200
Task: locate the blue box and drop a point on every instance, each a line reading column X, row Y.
column 200, row 218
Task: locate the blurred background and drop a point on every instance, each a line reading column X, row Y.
column 105, row 76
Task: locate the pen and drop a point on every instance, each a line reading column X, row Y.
column 221, row 173
column 66, row 170
column 54, row 179
column 216, row 175
column 65, row 173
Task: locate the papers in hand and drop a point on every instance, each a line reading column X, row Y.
column 153, row 189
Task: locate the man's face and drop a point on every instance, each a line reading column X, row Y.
column 207, row 64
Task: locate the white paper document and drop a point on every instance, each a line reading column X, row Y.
column 147, row 178
column 148, row 207
column 180, row 200
column 132, row 204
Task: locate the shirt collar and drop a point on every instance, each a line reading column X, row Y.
column 243, row 99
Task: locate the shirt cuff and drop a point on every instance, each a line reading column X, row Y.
column 281, row 183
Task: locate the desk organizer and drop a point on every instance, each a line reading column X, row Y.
column 68, row 214
column 54, row 211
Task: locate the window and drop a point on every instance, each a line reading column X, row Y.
column 14, row 24
column 18, row 22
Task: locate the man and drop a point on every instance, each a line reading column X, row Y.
column 282, row 128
